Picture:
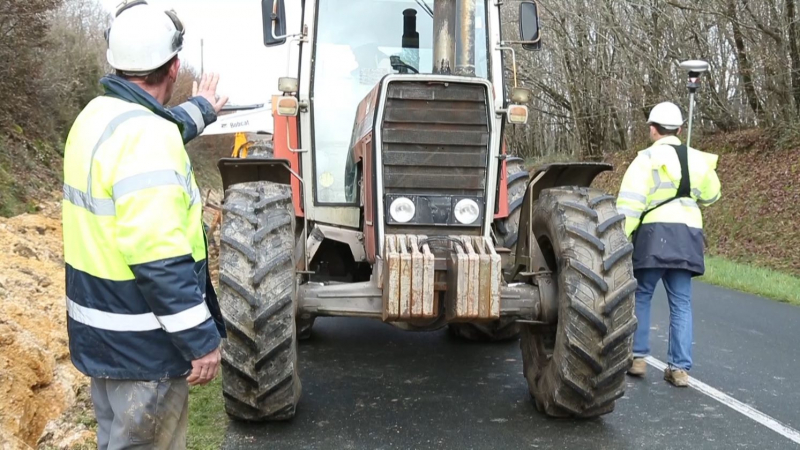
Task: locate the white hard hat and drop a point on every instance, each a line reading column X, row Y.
column 666, row 114
column 143, row 38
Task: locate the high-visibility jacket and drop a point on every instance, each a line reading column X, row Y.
column 671, row 236
column 139, row 300
column 191, row 116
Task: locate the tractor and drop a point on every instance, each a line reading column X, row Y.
column 387, row 192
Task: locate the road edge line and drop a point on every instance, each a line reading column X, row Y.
column 738, row 406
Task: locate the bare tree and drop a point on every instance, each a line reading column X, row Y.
column 605, row 64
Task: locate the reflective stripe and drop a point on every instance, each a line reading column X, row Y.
column 655, row 203
column 194, row 197
column 630, row 213
column 633, row 196
column 111, row 321
column 689, row 203
column 148, row 180
column 658, row 184
column 185, row 320
column 194, row 194
column 656, row 181
column 85, row 200
column 708, row 202
column 107, row 133
column 96, row 206
column 173, row 323
column 196, row 115
column 696, row 192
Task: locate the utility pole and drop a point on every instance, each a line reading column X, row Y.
column 202, row 58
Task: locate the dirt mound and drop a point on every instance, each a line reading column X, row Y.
column 37, row 380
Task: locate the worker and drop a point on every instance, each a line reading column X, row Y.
column 143, row 319
column 661, row 195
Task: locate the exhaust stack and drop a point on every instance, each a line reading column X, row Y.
column 444, row 31
column 465, row 46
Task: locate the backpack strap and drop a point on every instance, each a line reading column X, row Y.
column 684, row 187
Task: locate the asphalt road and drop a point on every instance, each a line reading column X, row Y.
column 367, row 385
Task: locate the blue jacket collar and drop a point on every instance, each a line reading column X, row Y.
column 123, row 89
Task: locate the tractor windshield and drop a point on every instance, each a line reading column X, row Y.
column 357, row 43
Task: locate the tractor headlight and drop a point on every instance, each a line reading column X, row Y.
column 467, row 211
column 402, row 210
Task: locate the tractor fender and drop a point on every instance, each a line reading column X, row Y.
column 244, row 170
column 545, row 177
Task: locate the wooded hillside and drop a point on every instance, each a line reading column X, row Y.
column 53, row 55
column 604, row 64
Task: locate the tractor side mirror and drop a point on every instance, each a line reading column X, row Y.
column 273, row 17
column 529, row 31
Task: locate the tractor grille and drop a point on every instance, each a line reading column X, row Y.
column 435, row 139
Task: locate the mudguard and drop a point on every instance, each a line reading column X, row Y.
column 545, row 177
column 243, row 170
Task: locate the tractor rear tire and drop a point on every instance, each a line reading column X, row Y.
column 577, row 367
column 507, row 232
column 507, row 229
column 258, row 297
column 304, row 327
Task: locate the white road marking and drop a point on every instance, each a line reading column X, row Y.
column 747, row 410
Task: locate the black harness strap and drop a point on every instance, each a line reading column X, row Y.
column 684, row 188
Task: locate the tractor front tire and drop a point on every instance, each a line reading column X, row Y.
column 577, row 367
column 258, row 298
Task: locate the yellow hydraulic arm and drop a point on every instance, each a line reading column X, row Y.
column 241, row 146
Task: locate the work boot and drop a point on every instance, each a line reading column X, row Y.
column 639, row 368
column 676, row 377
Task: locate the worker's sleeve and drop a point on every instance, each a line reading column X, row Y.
column 711, row 189
column 151, row 198
column 636, row 185
column 194, row 116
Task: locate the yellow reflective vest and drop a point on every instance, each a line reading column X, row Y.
column 672, row 235
column 139, row 301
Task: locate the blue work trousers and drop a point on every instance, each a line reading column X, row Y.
column 678, row 284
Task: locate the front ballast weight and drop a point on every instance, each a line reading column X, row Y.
column 472, row 282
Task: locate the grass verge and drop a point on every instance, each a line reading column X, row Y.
column 753, row 280
column 207, row 418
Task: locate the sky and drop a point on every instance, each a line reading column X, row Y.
column 233, row 44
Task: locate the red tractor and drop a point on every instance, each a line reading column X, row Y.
column 389, row 194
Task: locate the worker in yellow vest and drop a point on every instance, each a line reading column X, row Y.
column 143, row 319
column 661, row 195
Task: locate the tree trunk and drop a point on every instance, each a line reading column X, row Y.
column 745, row 67
column 794, row 52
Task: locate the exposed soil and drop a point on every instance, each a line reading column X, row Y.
column 44, row 400
column 37, row 380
